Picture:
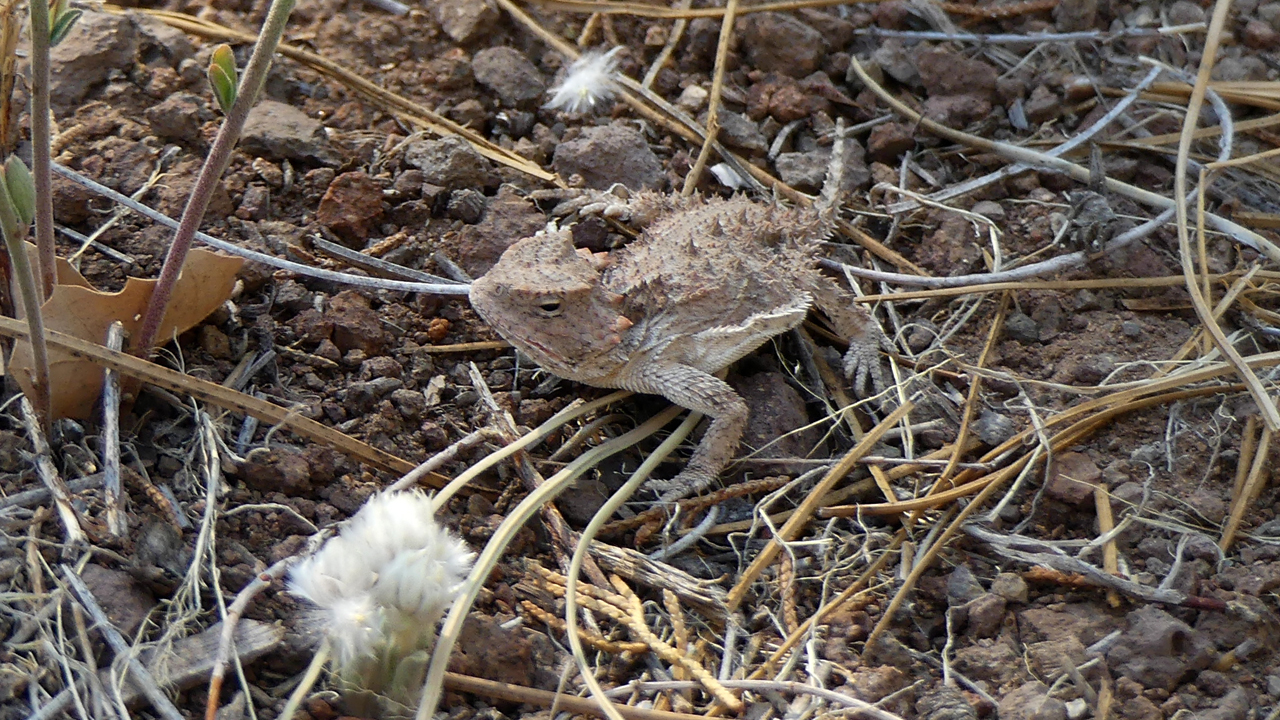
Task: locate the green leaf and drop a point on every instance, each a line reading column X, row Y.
column 22, row 189
column 223, row 76
column 61, row 26
column 224, row 88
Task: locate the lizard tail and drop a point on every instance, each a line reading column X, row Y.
column 828, row 203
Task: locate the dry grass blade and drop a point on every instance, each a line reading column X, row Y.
column 1209, row 323
column 810, row 504
column 544, row 698
column 484, row 564
column 219, row 396
column 9, row 29
column 585, row 540
column 1248, row 490
column 1016, row 153
column 656, row 11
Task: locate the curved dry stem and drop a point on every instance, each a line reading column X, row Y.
column 602, row 515
column 548, row 491
column 308, row 681
column 534, row 437
column 1265, row 404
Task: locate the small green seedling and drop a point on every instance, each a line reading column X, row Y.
column 21, row 191
column 62, row 19
column 223, row 76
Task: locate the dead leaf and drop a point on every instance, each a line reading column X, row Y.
column 77, row 309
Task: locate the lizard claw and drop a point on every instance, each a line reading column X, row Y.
column 862, row 362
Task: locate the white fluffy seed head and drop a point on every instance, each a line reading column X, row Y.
column 391, row 556
column 590, row 83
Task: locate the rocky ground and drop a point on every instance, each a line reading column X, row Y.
column 319, row 160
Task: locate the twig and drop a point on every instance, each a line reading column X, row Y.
column 713, row 103
column 437, row 461
column 866, row 708
column 233, row 249
column 1015, row 153
column 1099, row 36
column 141, row 677
column 114, row 496
column 219, row 156
column 1106, row 523
column 49, row 474
column 547, row 699
column 589, row 533
column 1053, row 558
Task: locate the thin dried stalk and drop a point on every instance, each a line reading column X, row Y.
column 806, row 509
column 1252, row 484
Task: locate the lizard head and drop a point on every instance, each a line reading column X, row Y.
column 547, row 299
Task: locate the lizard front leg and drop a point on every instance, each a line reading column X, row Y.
column 701, row 392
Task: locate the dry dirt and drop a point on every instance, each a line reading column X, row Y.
column 320, row 161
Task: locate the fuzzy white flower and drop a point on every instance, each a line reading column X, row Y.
column 590, row 82
column 391, row 560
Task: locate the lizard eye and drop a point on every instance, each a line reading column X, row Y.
column 550, row 307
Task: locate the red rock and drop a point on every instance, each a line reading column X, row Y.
column 351, row 207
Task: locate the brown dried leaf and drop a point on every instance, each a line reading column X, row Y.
column 77, row 309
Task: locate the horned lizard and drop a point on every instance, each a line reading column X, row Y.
column 706, row 282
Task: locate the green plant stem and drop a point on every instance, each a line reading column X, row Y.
column 255, row 75
column 40, row 145
column 14, row 234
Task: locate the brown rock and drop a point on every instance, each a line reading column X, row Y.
column 71, row 201
column 179, row 117
column 477, row 247
column 508, row 73
column 277, row 131
column 312, row 326
column 355, row 325
column 945, row 72
column 256, row 203
column 516, row 655
column 611, row 154
column 98, row 44
column 280, row 468
column 1072, row 478
column 986, row 615
column 776, row 411
column 1159, row 650
column 451, row 163
column 465, row 20
column 889, row 141
column 1042, row 106
column 775, row 42
column 351, row 207
column 125, row 602
column 1032, row 702
column 1259, row 35
column 215, row 342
